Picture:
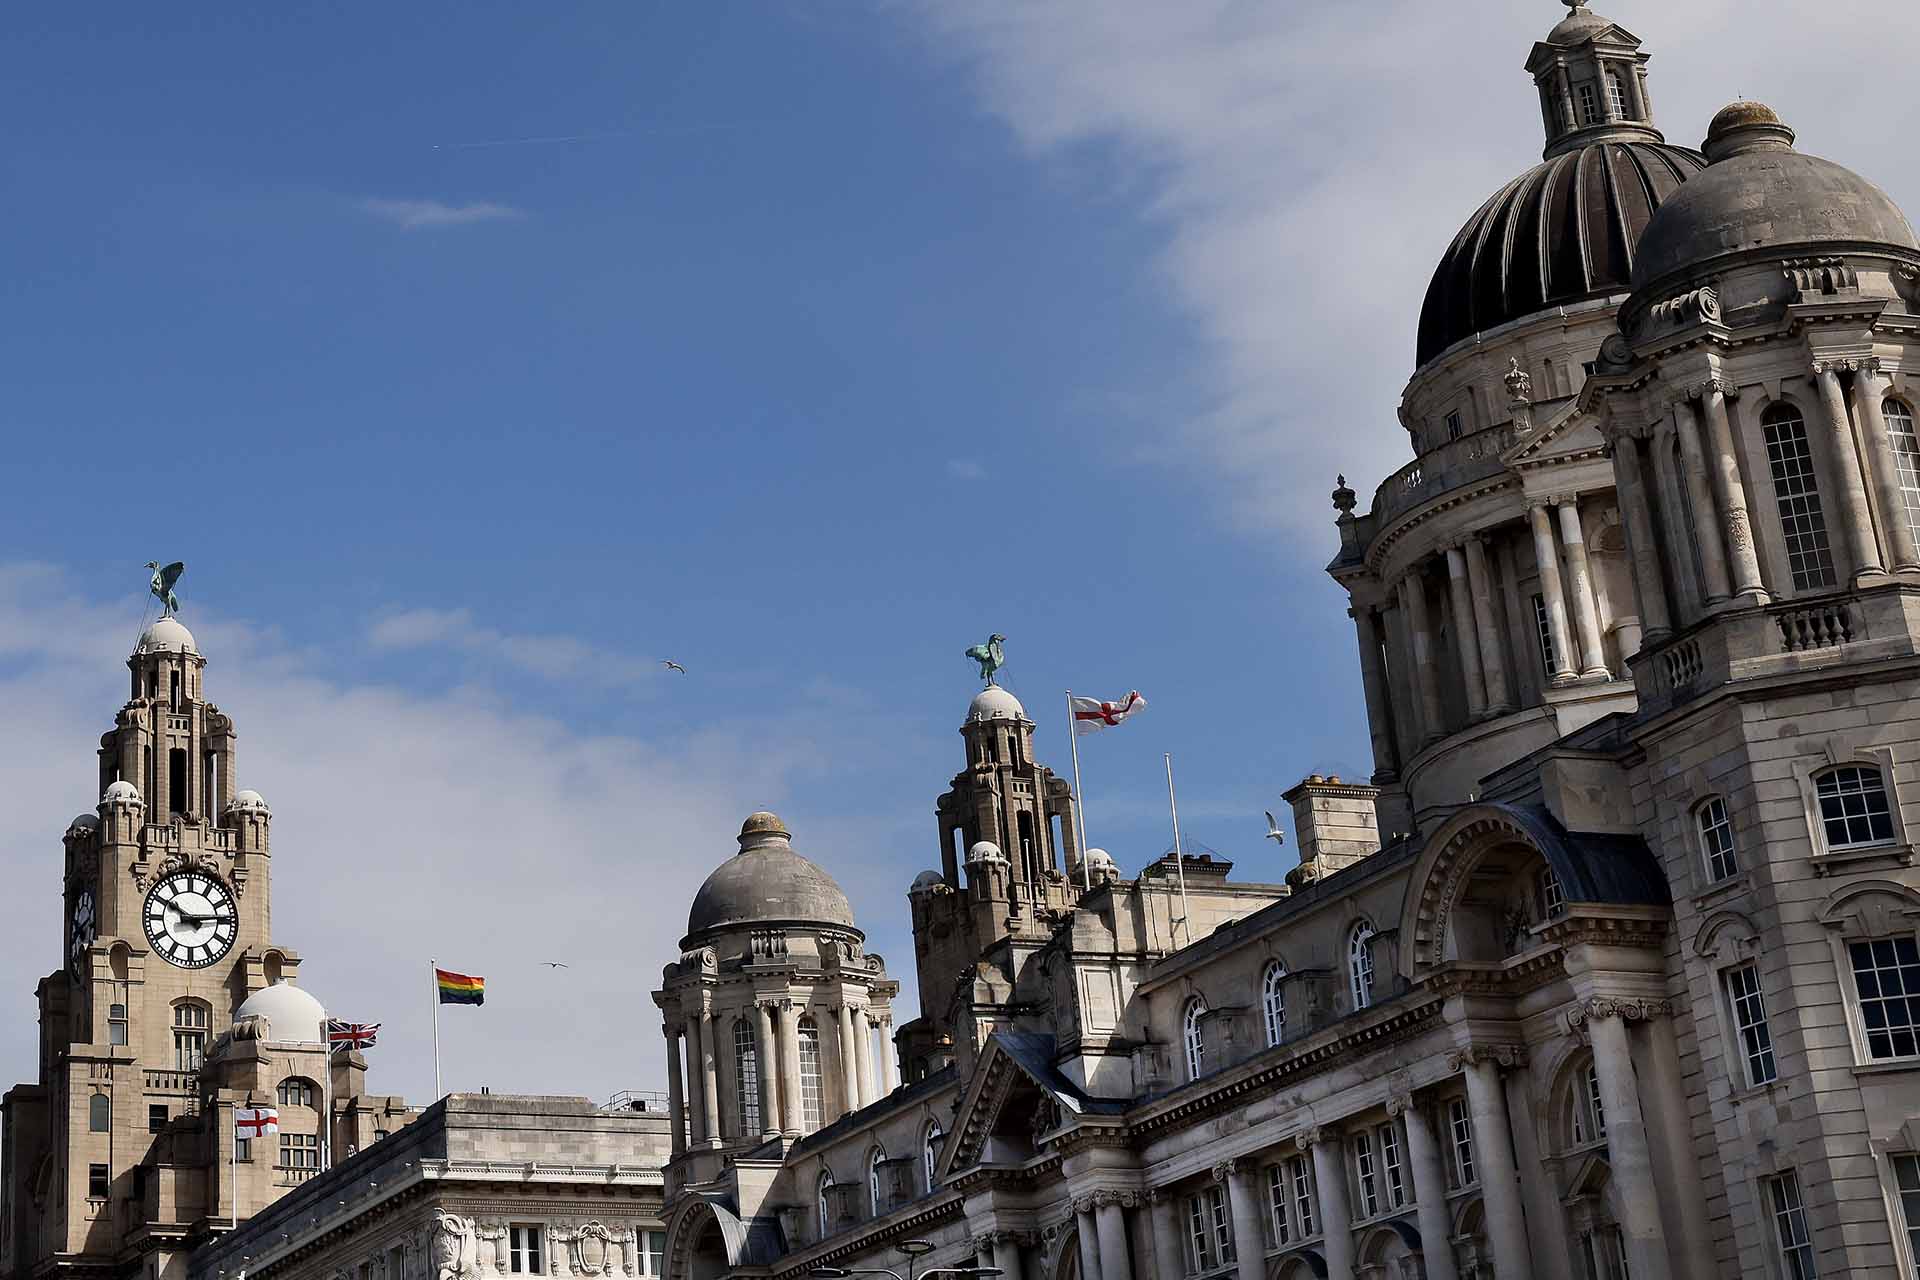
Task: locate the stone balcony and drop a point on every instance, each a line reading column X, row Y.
column 1458, row 462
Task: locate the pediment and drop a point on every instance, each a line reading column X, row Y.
column 1016, row 1101
column 1571, row 435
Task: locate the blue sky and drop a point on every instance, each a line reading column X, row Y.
column 851, row 333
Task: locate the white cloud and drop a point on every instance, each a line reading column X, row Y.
column 965, row 469
column 1309, row 163
column 411, row 825
column 415, row 215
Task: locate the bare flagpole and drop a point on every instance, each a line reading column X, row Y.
column 434, row 975
column 326, row 1095
column 1179, row 857
column 1079, row 796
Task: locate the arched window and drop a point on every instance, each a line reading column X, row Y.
column 1273, row 1001
column 826, row 1210
column 1906, row 457
column 295, row 1092
column 1854, row 811
column 876, row 1195
column 1360, row 965
column 1586, row 1122
column 746, row 1077
column 1617, row 96
column 99, row 1114
column 1716, row 840
column 1190, row 1037
column 1796, row 492
column 810, row 1074
column 930, row 1153
column 190, row 1020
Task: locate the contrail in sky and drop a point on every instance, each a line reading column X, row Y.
column 583, row 137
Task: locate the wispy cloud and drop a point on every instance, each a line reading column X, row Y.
column 419, row 215
column 551, row 656
column 965, row 469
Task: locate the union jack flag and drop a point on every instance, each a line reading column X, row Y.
column 355, row 1035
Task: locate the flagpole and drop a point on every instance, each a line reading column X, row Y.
column 434, row 965
column 233, row 1175
column 1079, row 796
column 326, row 1095
column 1179, row 857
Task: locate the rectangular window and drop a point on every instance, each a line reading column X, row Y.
column 1716, row 840
column 1209, row 1229
column 1553, row 902
column 1749, row 1009
column 1906, row 1179
column 96, row 1182
column 243, row 1149
column 299, row 1151
column 1797, row 493
column 1886, row 979
column 523, row 1250
column 1369, row 1181
column 1589, row 105
column 1277, row 1203
column 1545, row 631
column 1454, row 425
column 656, row 1244
column 1302, row 1194
column 1390, row 1164
column 116, row 1024
column 1906, row 457
column 1460, row 1129
column 156, row 1116
column 1854, row 810
column 1790, row 1225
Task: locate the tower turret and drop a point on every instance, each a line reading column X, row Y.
column 1593, row 83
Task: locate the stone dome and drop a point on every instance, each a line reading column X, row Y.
column 84, row 822
column 1759, row 193
column 166, row 636
column 1097, row 858
column 985, row 851
column 768, row 883
column 1564, row 231
column 120, row 791
column 994, row 703
column 927, row 882
column 293, row 1016
column 250, row 801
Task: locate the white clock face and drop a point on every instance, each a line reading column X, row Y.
column 191, row 920
column 82, row 930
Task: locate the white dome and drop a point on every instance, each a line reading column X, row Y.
column 166, row 636
column 995, row 703
column 293, row 1016
column 1099, row 858
column 985, row 851
column 249, row 800
column 120, row 791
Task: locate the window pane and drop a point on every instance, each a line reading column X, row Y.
column 810, row 1073
column 1853, row 807
column 1886, row 974
column 1906, row 1177
column 746, row 1075
column 1716, row 840
column 1273, row 1003
column 1797, row 493
column 1790, row 1224
column 1906, row 457
column 1750, row 1023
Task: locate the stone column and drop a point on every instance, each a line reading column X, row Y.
column 863, row 1056
column 1666, row 485
column 1553, row 594
column 1852, row 498
column 697, row 1098
column 1867, row 396
column 1493, row 659
column 1243, row 1205
column 765, row 1060
column 1110, row 1223
column 889, row 1065
column 1563, row 83
column 1628, row 1154
column 1429, row 1189
column 793, row 1117
column 1586, row 615
column 1493, row 1158
column 1088, row 1236
column 1743, row 559
column 1683, row 1197
column 1169, row 1256
column 676, row 1098
column 1425, row 678
column 1330, row 1184
column 1649, row 589
column 1706, row 522
column 709, row 1078
column 1006, row 1254
column 849, row 1069
column 1466, row 643
column 1373, row 680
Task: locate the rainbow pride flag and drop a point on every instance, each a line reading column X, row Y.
column 460, row 988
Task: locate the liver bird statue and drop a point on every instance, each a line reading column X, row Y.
column 164, row 576
column 990, row 656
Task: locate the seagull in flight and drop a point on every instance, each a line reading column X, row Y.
column 555, row 964
column 671, row 665
column 1274, row 833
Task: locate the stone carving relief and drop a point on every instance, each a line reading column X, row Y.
column 455, row 1248
column 494, row 1236
column 1519, row 382
column 145, row 873
column 593, row 1249
column 1820, row 277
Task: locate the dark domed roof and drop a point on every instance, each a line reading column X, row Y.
column 1761, row 193
column 767, row 882
column 1563, row 231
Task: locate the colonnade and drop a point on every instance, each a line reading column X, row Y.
column 1661, row 1216
column 693, row 1092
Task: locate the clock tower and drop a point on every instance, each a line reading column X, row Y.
column 172, row 1006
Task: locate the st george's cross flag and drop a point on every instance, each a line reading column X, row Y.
column 255, row 1122
column 1090, row 715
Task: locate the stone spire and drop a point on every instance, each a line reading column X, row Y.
column 1593, row 83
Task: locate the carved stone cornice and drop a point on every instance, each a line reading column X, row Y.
column 1498, row 1053
column 1711, row 383
column 1125, row 1197
column 1626, row 1008
column 1837, row 365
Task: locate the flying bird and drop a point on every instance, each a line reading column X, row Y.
column 671, row 665
column 555, row 964
column 1274, row 833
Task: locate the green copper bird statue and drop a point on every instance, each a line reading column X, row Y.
column 990, row 656
column 163, row 579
